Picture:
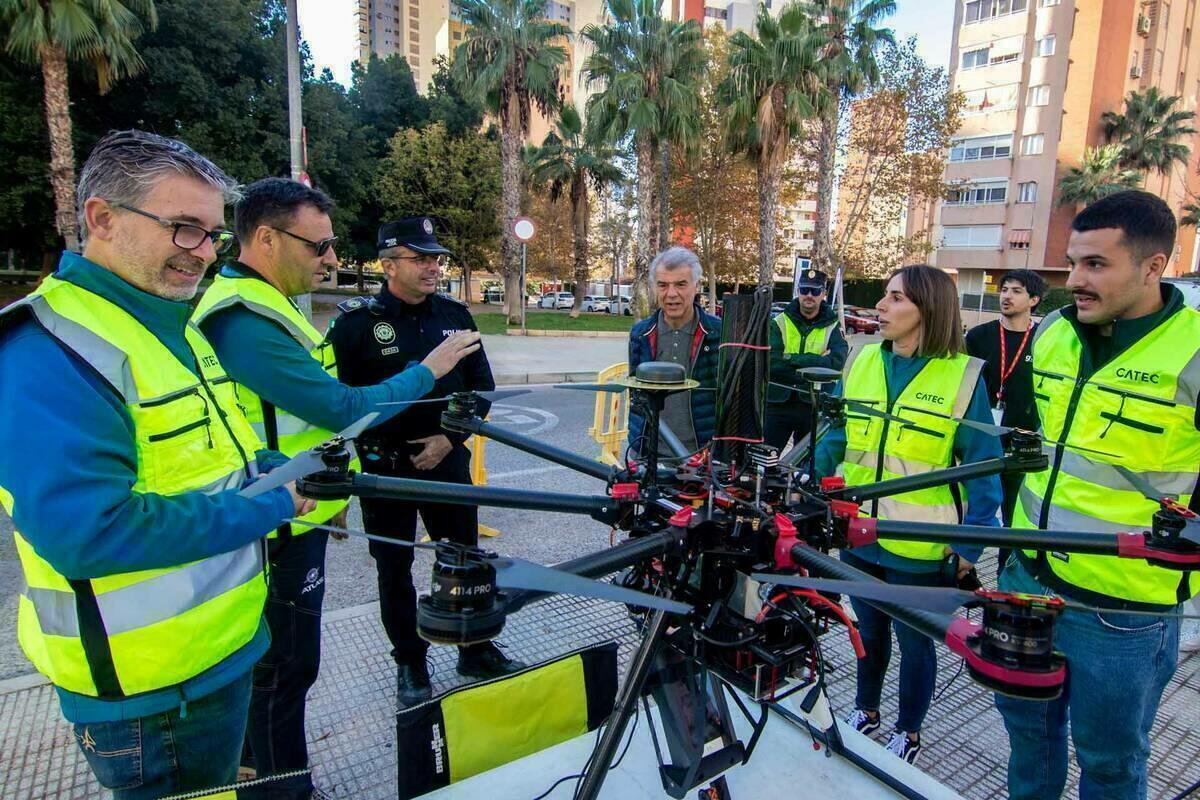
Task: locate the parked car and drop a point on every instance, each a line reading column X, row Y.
column 619, row 305
column 557, row 300
column 1190, row 286
column 777, row 308
column 593, row 302
column 861, row 320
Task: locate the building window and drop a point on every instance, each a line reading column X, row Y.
column 973, row 58
column 1039, row 95
column 981, row 10
column 1027, row 192
column 977, row 194
column 968, row 236
column 1019, row 239
column 1033, row 144
column 1045, row 46
column 1047, row 3
column 993, row 98
column 457, row 35
column 981, row 148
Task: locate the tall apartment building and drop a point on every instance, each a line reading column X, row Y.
column 1038, row 75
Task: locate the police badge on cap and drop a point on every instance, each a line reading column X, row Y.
column 415, row 233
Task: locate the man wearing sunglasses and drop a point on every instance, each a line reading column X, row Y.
column 373, row 340
column 125, row 450
column 805, row 334
column 287, row 380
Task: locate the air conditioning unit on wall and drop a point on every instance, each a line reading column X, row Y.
column 1143, row 25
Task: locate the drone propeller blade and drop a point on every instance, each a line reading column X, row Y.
column 860, row 408
column 364, row 535
column 612, row 388
column 306, row 462
column 516, row 573
column 494, row 396
column 1191, row 528
column 1002, row 430
column 930, row 598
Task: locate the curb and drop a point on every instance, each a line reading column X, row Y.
column 20, row 683
column 575, row 334
column 523, row 378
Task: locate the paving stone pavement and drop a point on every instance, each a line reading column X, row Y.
column 351, row 711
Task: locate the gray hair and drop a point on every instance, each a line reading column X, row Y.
column 674, row 257
column 125, row 165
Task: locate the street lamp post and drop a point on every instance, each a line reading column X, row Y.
column 296, row 120
column 523, row 229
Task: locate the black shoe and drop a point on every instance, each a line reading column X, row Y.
column 412, row 682
column 486, row 661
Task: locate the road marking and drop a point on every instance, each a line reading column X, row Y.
column 548, row 421
column 519, row 473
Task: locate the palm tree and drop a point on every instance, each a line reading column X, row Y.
column 568, row 162
column 648, row 68
column 1148, row 130
column 849, row 41
column 1099, row 175
column 774, row 86
column 509, row 62
column 49, row 33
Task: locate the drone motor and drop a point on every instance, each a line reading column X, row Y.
column 462, row 606
column 1017, row 636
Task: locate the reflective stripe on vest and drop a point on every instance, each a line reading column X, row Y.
column 795, row 342
column 1141, row 407
column 941, row 390
column 294, row 434
column 125, row 634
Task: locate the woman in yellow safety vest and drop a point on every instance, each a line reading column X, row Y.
column 920, row 372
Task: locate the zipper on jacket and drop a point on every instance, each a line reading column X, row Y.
column 206, row 421
column 221, row 415
column 1059, row 450
column 167, row 398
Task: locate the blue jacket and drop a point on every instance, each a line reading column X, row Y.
column 70, row 463
column 643, row 346
column 259, row 354
column 983, row 495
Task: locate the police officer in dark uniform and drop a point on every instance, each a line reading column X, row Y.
column 373, row 339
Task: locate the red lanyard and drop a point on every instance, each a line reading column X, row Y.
column 1005, row 371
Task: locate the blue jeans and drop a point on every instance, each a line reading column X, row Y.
column 918, row 658
column 1117, row 668
column 170, row 753
column 283, row 677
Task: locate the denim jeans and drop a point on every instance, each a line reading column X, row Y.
column 170, row 753
column 289, row 669
column 1117, row 668
column 918, row 658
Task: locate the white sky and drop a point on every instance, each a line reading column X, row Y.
column 329, row 28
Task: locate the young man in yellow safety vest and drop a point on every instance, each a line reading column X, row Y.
column 805, row 334
column 286, row 378
column 124, row 450
column 1117, row 372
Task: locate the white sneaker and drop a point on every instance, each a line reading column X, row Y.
column 863, row 722
column 903, row 747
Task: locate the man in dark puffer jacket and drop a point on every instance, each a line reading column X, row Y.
column 681, row 332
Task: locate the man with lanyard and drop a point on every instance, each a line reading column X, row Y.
column 680, row 332
column 373, row 340
column 1003, row 345
column 286, row 379
column 1117, row 372
column 125, row 450
column 805, row 334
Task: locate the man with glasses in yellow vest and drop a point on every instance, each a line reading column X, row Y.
column 124, row 451
column 285, row 376
column 805, row 334
column 1117, row 372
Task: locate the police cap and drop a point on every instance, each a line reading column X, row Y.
column 812, row 279
column 415, row 233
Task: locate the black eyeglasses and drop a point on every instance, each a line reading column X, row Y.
column 187, row 236
column 810, row 290
column 322, row 247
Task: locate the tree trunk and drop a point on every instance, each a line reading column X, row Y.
column 510, row 202
column 62, row 150
column 664, row 197
column 513, row 298
column 822, row 252
column 579, row 219
column 466, row 269
column 768, row 203
column 712, row 291
column 646, row 227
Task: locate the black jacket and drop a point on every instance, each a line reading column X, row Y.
column 785, row 368
column 377, row 337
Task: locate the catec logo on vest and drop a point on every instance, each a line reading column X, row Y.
column 931, row 398
column 1137, row 375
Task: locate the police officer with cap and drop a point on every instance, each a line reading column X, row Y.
column 373, row 339
column 805, row 334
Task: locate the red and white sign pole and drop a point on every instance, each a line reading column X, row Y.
column 523, row 229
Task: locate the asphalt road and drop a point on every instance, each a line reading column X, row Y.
column 559, row 417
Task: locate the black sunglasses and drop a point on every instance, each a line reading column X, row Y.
column 187, row 236
column 809, row 290
column 322, row 247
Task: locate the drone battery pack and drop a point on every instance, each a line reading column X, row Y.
column 470, row 730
